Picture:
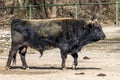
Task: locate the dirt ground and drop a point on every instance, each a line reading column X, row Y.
column 103, row 62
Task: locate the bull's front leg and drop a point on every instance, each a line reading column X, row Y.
column 75, row 63
column 64, row 57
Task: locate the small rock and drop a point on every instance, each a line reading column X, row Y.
column 1, row 50
column 85, row 57
column 101, row 74
column 82, row 73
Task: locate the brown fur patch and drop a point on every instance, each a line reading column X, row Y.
column 49, row 29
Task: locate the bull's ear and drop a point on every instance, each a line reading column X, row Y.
column 90, row 21
column 89, row 25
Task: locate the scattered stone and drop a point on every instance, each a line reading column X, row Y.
column 82, row 73
column 101, row 74
column 1, row 50
column 85, row 57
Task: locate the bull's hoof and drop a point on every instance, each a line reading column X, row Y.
column 26, row 68
column 73, row 67
column 64, row 69
column 7, row 68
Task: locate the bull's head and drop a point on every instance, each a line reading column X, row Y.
column 95, row 30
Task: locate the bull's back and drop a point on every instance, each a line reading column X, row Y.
column 45, row 28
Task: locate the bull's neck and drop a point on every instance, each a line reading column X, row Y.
column 86, row 39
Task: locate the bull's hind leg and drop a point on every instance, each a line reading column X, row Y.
column 12, row 52
column 22, row 53
column 14, row 59
column 75, row 63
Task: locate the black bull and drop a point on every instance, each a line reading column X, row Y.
column 69, row 35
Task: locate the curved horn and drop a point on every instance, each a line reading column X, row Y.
column 93, row 17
